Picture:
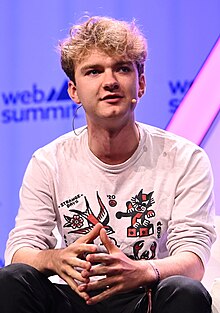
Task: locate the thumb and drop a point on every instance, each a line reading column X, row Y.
column 107, row 242
column 94, row 233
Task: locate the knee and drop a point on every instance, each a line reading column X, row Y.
column 185, row 286
column 180, row 289
column 15, row 272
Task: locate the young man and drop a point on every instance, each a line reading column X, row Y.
column 133, row 203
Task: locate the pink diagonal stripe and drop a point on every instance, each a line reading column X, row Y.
column 201, row 104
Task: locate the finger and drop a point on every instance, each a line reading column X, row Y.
column 94, row 233
column 74, row 286
column 97, row 270
column 75, row 275
column 101, row 296
column 109, row 244
column 99, row 258
column 81, row 249
column 76, row 263
column 100, row 284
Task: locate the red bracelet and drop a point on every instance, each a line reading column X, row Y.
column 156, row 271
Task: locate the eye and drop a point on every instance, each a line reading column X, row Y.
column 92, row 72
column 124, row 69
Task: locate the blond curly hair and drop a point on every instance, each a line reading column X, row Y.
column 114, row 37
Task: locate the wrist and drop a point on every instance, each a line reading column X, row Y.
column 156, row 273
column 149, row 274
column 48, row 261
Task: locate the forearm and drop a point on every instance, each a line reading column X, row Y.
column 63, row 262
column 42, row 260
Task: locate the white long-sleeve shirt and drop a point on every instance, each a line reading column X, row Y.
column 157, row 203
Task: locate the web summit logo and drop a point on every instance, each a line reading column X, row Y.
column 36, row 105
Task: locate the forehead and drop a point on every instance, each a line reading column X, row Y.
column 98, row 57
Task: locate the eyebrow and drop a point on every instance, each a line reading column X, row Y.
column 89, row 66
column 97, row 65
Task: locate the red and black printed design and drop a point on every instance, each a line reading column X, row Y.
column 138, row 210
column 83, row 222
column 138, row 254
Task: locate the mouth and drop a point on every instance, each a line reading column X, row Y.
column 113, row 97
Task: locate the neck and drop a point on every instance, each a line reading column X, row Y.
column 113, row 146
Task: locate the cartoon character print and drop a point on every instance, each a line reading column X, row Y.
column 138, row 210
column 83, row 222
column 147, row 254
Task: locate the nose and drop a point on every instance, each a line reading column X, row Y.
column 110, row 82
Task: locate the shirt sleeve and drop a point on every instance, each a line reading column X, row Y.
column 191, row 227
column 36, row 217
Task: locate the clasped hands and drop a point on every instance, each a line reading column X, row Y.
column 117, row 272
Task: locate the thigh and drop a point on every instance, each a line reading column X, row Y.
column 24, row 289
column 131, row 302
column 180, row 294
column 77, row 304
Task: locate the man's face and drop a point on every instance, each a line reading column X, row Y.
column 106, row 86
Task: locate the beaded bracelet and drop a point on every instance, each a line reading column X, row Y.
column 156, row 271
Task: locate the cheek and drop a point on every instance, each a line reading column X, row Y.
column 87, row 90
column 133, row 85
column 134, row 90
column 83, row 94
column 87, row 99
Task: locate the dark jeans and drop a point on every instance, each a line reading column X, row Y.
column 23, row 289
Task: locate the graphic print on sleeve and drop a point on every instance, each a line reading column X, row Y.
column 83, row 222
column 139, row 212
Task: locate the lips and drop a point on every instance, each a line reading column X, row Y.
column 111, row 97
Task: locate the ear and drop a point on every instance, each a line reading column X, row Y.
column 142, row 86
column 72, row 91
